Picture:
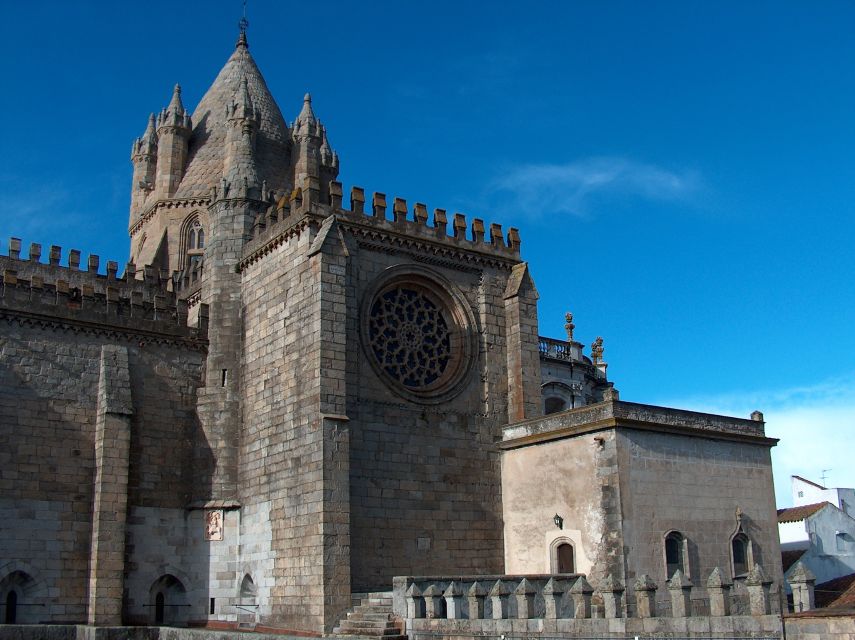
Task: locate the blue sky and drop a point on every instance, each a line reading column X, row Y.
column 681, row 173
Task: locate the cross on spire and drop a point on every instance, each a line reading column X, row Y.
column 243, row 23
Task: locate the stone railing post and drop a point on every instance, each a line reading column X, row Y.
column 758, row 591
column 681, row 595
column 802, row 581
column 719, row 591
column 611, row 590
column 524, row 594
column 414, row 602
column 433, row 606
column 581, row 593
column 499, row 600
column 553, row 591
column 475, row 596
column 645, row 596
column 453, row 601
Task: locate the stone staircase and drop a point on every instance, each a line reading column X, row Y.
column 371, row 618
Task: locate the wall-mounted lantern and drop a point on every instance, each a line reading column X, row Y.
column 558, row 520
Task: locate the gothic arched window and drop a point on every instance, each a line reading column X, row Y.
column 740, row 547
column 194, row 241
column 675, row 553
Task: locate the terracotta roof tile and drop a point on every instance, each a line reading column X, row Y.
column 836, row 594
column 794, row 514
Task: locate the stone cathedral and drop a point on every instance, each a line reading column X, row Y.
column 290, row 396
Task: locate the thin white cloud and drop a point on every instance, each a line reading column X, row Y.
column 572, row 188
column 815, row 424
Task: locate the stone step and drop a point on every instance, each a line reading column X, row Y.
column 343, row 635
column 367, row 624
column 390, row 634
column 369, row 615
column 373, row 608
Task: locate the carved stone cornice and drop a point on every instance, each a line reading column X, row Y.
column 424, row 249
column 115, row 331
column 172, row 203
column 256, row 252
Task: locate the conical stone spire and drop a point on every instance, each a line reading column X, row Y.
column 307, row 115
column 147, row 143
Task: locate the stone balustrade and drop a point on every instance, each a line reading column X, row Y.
column 543, row 604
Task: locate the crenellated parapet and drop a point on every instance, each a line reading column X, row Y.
column 61, row 293
column 375, row 226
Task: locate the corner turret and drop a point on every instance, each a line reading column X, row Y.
column 173, row 133
column 313, row 156
column 144, row 159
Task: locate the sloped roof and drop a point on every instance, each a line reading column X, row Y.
column 811, row 482
column 789, row 558
column 838, row 593
column 794, row 514
column 208, row 139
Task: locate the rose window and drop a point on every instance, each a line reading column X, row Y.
column 409, row 337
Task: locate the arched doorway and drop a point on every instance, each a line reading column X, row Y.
column 562, row 555
column 11, row 607
column 168, row 602
column 566, row 559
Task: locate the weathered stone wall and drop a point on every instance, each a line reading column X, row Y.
column 281, row 447
column 820, row 625
column 49, row 381
column 694, row 485
column 425, row 477
column 541, row 481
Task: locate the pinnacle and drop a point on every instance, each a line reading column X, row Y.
column 241, row 41
column 307, row 115
column 175, row 105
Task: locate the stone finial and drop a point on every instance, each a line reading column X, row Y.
column 553, row 591
column 756, row 576
column 440, row 222
column 645, row 596
column 597, row 350
column 524, row 594
column 718, row 588
column 357, row 199
column 757, row 416
column 478, row 230
column 459, row 226
column 681, row 588
column 378, row 205
column 497, row 239
column 758, row 591
column 420, row 214
column 453, row 596
column 801, row 581
column 15, row 248
column 475, row 595
column 499, row 600
column 414, row 601
column 611, row 590
column 432, row 596
column 335, row 194
column 569, row 326
column 399, row 210
column 581, row 593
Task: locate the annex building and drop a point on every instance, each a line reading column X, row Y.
column 291, row 395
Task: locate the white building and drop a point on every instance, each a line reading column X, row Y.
column 819, row 530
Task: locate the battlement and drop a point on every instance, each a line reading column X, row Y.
column 470, row 237
column 67, row 293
